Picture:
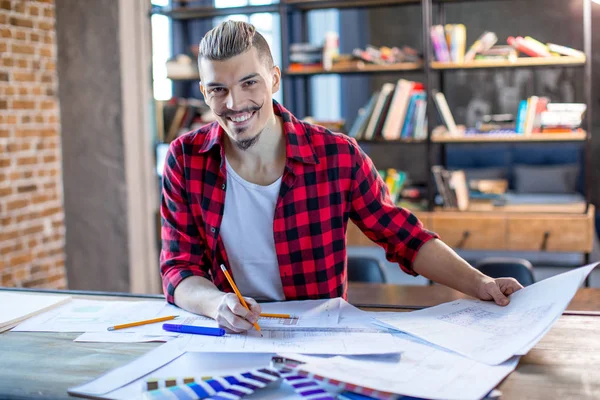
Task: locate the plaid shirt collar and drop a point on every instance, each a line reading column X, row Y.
column 298, row 142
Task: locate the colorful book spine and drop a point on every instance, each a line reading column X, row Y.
column 539, row 47
column 409, row 119
column 564, row 50
column 457, row 43
column 440, row 46
column 483, row 43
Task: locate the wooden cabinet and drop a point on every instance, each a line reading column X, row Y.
column 564, row 233
column 510, row 231
column 470, row 231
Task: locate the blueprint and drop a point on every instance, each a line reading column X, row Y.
column 490, row 333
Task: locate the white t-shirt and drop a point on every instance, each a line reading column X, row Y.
column 247, row 233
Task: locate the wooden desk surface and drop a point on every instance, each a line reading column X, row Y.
column 564, row 364
column 396, row 296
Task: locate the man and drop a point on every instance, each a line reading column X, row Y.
column 269, row 197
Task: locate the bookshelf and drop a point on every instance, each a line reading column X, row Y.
column 433, row 72
column 356, row 68
column 519, row 62
column 512, row 138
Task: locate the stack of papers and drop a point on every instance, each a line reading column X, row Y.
column 486, row 332
column 16, row 307
column 457, row 350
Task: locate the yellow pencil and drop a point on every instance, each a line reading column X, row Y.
column 237, row 292
column 144, row 322
column 270, row 315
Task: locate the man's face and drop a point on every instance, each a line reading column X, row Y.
column 239, row 91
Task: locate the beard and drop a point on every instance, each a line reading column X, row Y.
column 245, row 144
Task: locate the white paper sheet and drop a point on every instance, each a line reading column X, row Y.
column 81, row 315
column 490, row 333
column 120, row 337
column 423, row 371
column 18, row 306
column 307, row 313
column 296, row 341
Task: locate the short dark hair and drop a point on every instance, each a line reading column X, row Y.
column 232, row 38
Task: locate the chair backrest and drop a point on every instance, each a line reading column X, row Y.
column 507, row 267
column 365, row 269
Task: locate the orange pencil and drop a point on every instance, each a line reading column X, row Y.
column 237, row 292
column 144, row 322
column 271, row 315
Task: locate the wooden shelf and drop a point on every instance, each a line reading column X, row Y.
column 512, row 138
column 358, row 68
column 182, row 13
column 519, row 62
column 324, row 4
column 397, row 141
column 185, row 77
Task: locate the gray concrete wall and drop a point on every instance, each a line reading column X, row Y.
column 92, row 144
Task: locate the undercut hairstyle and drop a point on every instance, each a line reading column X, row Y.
column 232, row 38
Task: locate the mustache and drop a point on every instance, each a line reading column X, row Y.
column 228, row 113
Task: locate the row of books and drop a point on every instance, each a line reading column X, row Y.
column 539, row 115
column 396, row 111
column 304, row 55
column 449, row 45
column 452, row 187
column 178, row 116
column 395, row 181
column 534, row 115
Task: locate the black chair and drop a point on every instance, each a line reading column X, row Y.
column 507, row 267
column 365, row 269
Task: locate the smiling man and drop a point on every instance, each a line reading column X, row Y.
column 270, row 196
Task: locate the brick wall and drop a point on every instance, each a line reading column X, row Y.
column 31, row 213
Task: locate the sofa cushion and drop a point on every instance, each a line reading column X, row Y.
column 546, row 178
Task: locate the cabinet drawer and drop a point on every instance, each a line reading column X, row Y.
column 550, row 234
column 470, row 232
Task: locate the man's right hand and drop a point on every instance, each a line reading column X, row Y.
column 232, row 316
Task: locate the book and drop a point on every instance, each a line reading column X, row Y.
column 564, row 50
column 421, row 119
column 409, row 119
column 575, row 107
column 521, row 114
column 483, row 43
column 392, row 128
column 379, row 111
column 458, row 183
column 456, row 35
column 540, row 107
column 530, row 114
column 362, row 119
column 439, row 183
column 444, row 110
column 440, row 46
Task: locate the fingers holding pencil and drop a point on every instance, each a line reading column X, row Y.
column 239, row 296
column 233, row 316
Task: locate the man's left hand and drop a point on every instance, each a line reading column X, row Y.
column 498, row 289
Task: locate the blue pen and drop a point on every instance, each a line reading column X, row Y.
column 196, row 330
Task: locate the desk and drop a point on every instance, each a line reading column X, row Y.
column 564, row 364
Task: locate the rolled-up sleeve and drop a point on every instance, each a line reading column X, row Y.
column 183, row 251
column 396, row 229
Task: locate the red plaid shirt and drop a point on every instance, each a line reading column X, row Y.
column 327, row 180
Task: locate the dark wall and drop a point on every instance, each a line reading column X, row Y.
column 472, row 93
column 92, row 144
